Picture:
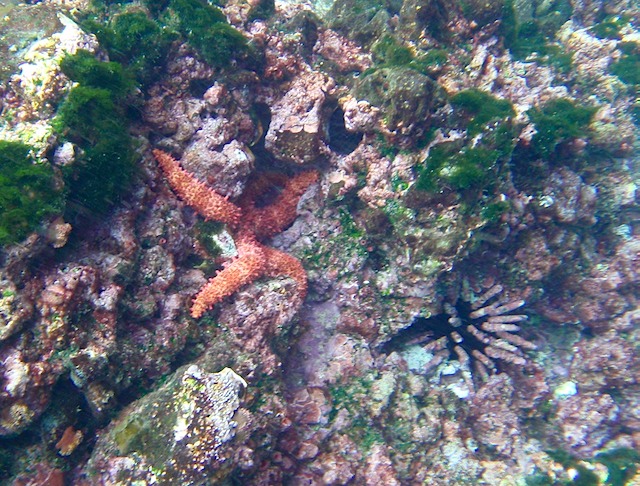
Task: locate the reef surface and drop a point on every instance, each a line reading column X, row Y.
column 417, row 222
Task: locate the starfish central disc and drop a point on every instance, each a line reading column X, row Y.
column 249, row 225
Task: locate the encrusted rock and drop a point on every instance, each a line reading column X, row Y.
column 587, row 421
column 568, row 199
column 224, row 170
column 14, row 311
column 404, row 96
column 33, row 93
column 296, row 130
column 183, row 433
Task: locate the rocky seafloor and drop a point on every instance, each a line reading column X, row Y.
column 472, row 243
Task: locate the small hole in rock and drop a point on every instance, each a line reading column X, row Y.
column 339, row 139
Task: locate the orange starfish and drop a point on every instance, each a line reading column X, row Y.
column 249, row 224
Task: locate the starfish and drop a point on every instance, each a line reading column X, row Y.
column 250, row 225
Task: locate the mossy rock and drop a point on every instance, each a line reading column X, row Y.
column 627, row 68
column 405, row 97
column 362, row 20
column 483, row 12
column 558, row 121
column 135, row 40
column 182, row 433
column 431, row 16
column 481, row 108
column 28, row 192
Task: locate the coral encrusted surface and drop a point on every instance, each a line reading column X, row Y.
column 349, row 242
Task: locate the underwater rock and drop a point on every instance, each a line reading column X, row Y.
column 183, row 433
column 346, row 54
column 493, row 420
column 171, row 109
column 260, row 317
column 14, row 310
column 31, row 370
column 362, row 20
column 224, row 170
column 485, row 11
column 378, row 250
column 587, row 421
column 404, row 96
column 296, row 133
column 419, row 18
column 568, row 200
column 32, row 93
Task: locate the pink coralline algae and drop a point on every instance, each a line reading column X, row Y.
column 587, row 421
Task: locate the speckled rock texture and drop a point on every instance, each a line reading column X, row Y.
column 183, row 433
column 297, row 130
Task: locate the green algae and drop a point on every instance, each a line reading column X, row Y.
column 90, row 118
column 610, row 26
column 205, row 27
column 136, row 41
column 28, row 192
column 84, row 68
column 493, row 211
column 529, row 29
column 140, row 39
column 458, row 169
column 627, row 68
column 622, row 464
column 196, row 16
column 557, row 121
column 388, row 51
column 351, row 236
column 430, row 61
column 480, row 108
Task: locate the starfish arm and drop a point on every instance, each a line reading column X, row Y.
column 205, row 201
column 249, row 265
column 280, row 263
column 275, row 217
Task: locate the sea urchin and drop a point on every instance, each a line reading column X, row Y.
column 479, row 333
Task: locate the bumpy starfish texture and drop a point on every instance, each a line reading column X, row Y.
column 249, row 225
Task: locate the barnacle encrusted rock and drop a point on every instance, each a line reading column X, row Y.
column 180, row 434
column 296, row 130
